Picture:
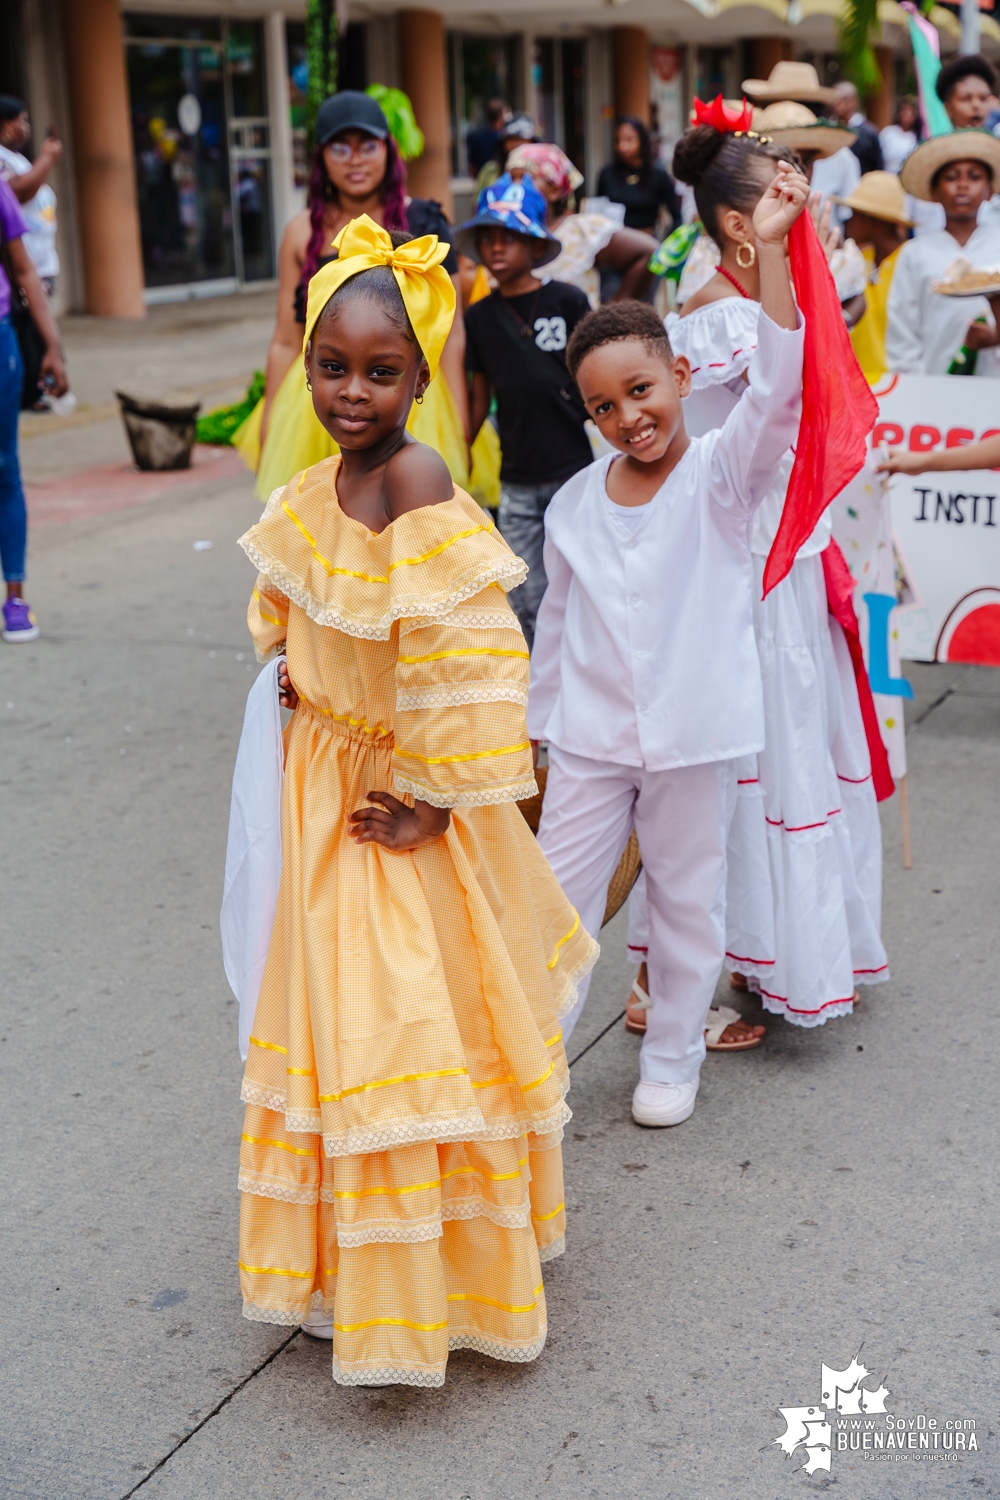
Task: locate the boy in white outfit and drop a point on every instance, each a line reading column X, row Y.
column 644, row 674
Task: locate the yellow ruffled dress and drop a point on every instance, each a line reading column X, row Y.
column 401, row 1164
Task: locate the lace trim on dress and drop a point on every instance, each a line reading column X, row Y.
column 553, row 1251
column 547, row 1142
column 361, row 1141
column 261, row 1186
column 571, row 980
column 423, row 1375
column 267, row 1098
column 285, row 1317
column 498, row 1348
column 477, row 1208
column 385, row 1232
column 513, row 791
column 469, row 619
column 510, row 571
column 444, row 696
column 266, row 656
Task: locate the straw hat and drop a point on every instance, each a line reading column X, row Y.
column 923, row 164
column 629, row 865
column 880, row 195
column 788, row 80
column 796, row 127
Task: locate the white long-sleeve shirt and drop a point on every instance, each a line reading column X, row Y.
column 925, row 330
column 644, row 649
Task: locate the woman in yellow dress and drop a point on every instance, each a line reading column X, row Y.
column 401, row 1169
column 357, row 170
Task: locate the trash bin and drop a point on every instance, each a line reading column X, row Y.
column 160, row 433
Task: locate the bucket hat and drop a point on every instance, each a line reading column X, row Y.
column 788, row 80
column 517, row 206
column 926, row 160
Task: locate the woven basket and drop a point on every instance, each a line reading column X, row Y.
column 629, row 865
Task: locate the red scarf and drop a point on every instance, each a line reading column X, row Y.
column 838, row 408
column 840, row 603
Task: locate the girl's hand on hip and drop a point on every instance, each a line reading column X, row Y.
column 287, row 696
column 395, row 826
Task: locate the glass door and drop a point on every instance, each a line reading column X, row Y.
column 178, row 103
column 250, row 151
column 202, row 150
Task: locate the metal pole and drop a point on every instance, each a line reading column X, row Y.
column 970, row 27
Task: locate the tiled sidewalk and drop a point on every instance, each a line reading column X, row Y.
column 108, row 487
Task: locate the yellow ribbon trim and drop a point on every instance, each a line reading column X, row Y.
column 300, row 1072
column 571, row 933
column 553, row 1039
column 447, row 760
column 383, row 1083
column 257, row 1140
column 547, row 1074
column 328, row 713
column 490, row 1176
column 466, row 651
column 390, row 1323
column 268, row 1046
column 274, row 1271
column 410, row 562
column 328, row 565
column 417, row 1187
column 402, row 562
column 541, row 1218
column 489, row 1083
column 492, row 1302
column 260, row 610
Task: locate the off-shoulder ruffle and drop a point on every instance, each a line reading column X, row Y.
column 422, row 566
column 719, row 340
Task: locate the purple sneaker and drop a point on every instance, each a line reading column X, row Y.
column 19, row 622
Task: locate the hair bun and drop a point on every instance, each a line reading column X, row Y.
column 695, row 152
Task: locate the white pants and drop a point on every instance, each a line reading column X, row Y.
column 682, row 821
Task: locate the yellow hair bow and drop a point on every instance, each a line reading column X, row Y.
column 427, row 290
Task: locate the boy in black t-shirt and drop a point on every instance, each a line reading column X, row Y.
column 516, row 348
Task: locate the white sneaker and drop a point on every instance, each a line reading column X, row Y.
column 658, row 1104
column 319, row 1325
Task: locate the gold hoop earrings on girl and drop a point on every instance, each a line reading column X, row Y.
column 751, row 260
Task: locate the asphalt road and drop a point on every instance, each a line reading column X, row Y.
column 835, row 1188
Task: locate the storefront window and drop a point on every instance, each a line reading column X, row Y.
column 482, row 68
column 558, row 76
column 202, row 151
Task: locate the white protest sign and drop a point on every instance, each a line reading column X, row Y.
column 947, row 526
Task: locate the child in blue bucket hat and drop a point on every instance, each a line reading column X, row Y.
column 516, row 351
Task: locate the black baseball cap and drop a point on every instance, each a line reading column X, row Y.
column 350, row 110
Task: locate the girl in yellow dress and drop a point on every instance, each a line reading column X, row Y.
column 357, row 169
column 401, row 1166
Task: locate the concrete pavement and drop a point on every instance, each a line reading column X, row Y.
column 833, row 1188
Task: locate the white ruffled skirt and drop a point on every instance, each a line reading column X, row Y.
column 804, row 889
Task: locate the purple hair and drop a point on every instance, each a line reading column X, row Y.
column 392, row 191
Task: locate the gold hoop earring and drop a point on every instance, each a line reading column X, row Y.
column 745, row 265
column 419, row 399
column 308, row 384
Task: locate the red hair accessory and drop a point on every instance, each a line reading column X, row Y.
column 725, row 121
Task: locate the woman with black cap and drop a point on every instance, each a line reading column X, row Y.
column 357, row 169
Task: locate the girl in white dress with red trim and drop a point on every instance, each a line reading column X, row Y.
column 804, row 853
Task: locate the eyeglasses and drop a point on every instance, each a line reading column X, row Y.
column 367, row 149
